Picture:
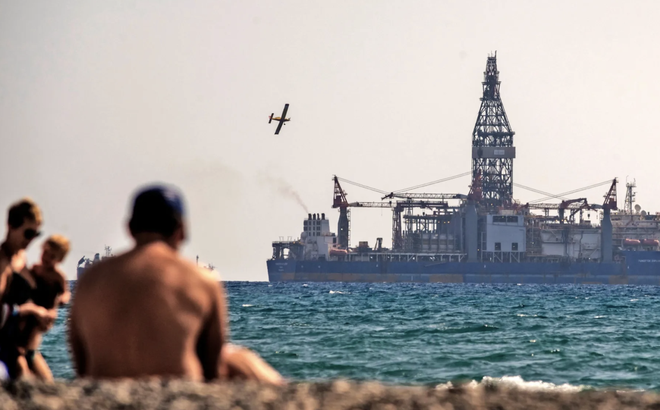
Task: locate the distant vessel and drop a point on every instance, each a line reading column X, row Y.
column 84, row 263
column 485, row 236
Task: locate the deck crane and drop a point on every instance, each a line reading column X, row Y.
column 575, row 205
column 397, row 209
column 397, row 237
column 412, row 195
column 610, row 197
column 408, row 202
column 344, row 225
column 606, row 224
column 340, row 201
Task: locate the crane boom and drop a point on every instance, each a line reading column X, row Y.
column 339, row 199
column 400, row 204
column 579, row 203
column 412, row 195
column 610, row 197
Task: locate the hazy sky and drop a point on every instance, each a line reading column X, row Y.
column 97, row 98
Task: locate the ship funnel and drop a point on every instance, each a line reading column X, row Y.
column 323, row 216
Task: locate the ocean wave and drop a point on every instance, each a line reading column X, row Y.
column 332, row 292
column 516, row 382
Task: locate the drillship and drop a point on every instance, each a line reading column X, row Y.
column 484, row 236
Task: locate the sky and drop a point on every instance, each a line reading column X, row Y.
column 100, row 98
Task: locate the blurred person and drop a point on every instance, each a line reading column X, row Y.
column 23, row 222
column 148, row 312
column 49, row 290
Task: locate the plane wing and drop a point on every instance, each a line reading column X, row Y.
column 279, row 126
column 282, row 119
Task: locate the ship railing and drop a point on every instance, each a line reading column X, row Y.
column 406, row 257
column 501, row 256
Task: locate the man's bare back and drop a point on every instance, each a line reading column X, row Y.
column 150, row 313
column 147, row 313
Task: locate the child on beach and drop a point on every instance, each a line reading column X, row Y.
column 49, row 289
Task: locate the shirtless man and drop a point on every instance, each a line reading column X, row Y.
column 23, row 223
column 148, row 312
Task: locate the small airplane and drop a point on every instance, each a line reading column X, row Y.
column 281, row 119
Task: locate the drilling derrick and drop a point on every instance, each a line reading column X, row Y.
column 492, row 143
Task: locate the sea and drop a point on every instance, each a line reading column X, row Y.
column 565, row 337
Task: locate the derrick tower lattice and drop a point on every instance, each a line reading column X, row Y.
column 492, row 143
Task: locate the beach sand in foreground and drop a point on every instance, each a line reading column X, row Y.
column 176, row 394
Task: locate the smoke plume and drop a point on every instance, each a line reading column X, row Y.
column 283, row 188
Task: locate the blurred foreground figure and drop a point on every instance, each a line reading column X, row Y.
column 243, row 364
column 49, row 290
column 23, row 223
column 148, row 312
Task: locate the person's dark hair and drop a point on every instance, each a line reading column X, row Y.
column 22, row 210
column 157, row 209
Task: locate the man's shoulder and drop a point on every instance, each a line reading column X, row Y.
column 205, row 274
column 191, row 270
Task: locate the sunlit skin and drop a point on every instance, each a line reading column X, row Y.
column 13, row 260
column 148, row 313
column 173, row 319
column 48, row 271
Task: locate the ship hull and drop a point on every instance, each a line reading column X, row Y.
column 639, row 268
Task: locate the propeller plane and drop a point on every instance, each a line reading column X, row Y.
column 281, row 119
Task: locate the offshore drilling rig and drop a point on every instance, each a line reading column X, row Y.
column 486, row 223
column 486, row 227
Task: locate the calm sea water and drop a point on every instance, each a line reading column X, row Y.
column 564, row 336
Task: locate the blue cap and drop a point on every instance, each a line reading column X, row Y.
column 157, row 208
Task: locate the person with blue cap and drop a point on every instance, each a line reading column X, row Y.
column 149, row 312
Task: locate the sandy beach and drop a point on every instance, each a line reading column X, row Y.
column 340, row 394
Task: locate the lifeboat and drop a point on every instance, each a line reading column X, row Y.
column 631, row 242
column 338, row 252
column 650, row 242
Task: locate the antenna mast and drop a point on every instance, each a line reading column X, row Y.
column 630, row 197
